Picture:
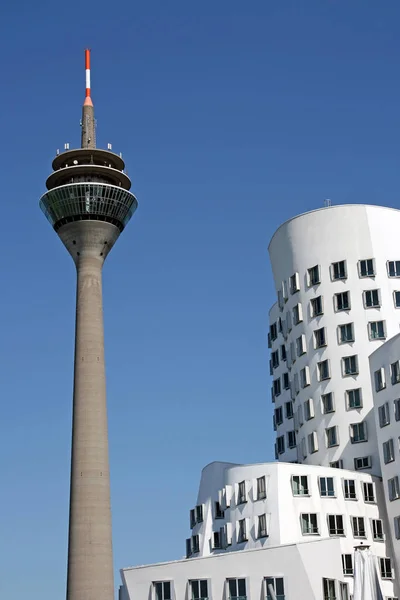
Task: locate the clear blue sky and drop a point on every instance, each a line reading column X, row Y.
column 232, row 117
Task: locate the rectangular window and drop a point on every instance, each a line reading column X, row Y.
column 395, row 372
column 336, row 464
column 297, row 314
column 312, row 442
column 280, row 444
column 199, row 589
column 300, row 485
column 195, row 544
column 162, row 590
column 199, row 513
column 332, row 438
column 305, row 379
column 339, row 270
column 344, row 593
column 366, row 267
column 388, row 451
column 368, row 491
column 285, row 381
column 394, row 488
column 350, row 365
column 346, row 333
column 218, row 512
column 237, row 589
column 277, row 585
column 242, row 497
column 377, row 330
column 342, row 301
column 329, row 588
column 358, row 526
column 279, row 416
column 294, row 283
column 326, row 487
column 309, row 409
column 283, row 353
column 276, row 385
column 379, row 377
column 262, row 527
column 192, row 518
column 261, row 490
column 304, row 448
column 275, row 359
column 354, row 398
column 289, row 410
column 371, row 299
column 188, row 548
column 358, row 432
column 242, row 533
column 314, row 277
column 396, row 298
column 396, row 522
column 323, row 370
column 349, row 489
column 273, row 331
column 327, row 403
column 316, row 306
column 320, row 337
column 291, row 439
column 397, row 409
column 377, row 530
column 301, row 345
column 347, row 562
column 362, row 462
column 385, row 565
column 309, row 524
column 384, row 414
column 335, row 525
column 393, row 268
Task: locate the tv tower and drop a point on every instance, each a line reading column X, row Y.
column 88, row 203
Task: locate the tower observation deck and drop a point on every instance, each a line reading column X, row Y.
column 88, row 203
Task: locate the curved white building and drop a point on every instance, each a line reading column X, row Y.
column 337, row 275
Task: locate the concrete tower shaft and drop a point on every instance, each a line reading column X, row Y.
column 88, row 203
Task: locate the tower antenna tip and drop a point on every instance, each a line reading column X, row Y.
column 88, row 101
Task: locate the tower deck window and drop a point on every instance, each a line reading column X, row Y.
column 339, row 270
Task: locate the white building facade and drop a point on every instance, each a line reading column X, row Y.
column 337, row 276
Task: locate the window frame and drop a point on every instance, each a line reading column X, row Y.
column 396, row 264
column 326, row 362
column 351, row 358
column 317, row 334
column 395, row 372
column 384, row 415
column 336, row 266
column 311, row 525
column 300, row 484
column 338, row 531
column 354, row 407
column 311, row 282
column 261, row 489
column 375, row 530
column 313, row 302
column 328, row 429
column 358, row 532
column 388, row 457
column 325, row 488
column 360, row 425
column 349, row 571
column 336, row 303
column 324, row 404
column 341, row 340
column 380, row 379
column 199, row 582
column 375, row 336
column 369, row 492
column 384, row 561
column 370, row 294
column 347, row 492
column 367, row 274
column 262, row 528
column 395, row 487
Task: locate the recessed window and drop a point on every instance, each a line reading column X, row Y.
column 285, row 381
column 342, row 301
column 358, row 432
column 316, row 306
column 280, row 444
column 305, row 379
column 395, row 372
column 262, row 527
column 279, row 416
column 396, row 522
column 200, row 587
column 394, row 488
column 376, row 330
column 312, row 442
column 388, row 451
column 192, row 518
column 344, row 593
column 297, row 314
column 336, row 464
column 377, row 530
column 347, row 563
column 332, row 438
column 296, row 387
column 303, row 448
column 283, row 353
column 362, row 462
column 162, row 590
column 291, row 439
column 384, row 415
column 237, row 589
column 366, row 267
column 294, row 283
column 339, row 270
column 242, row 533
column 346, row 333
column 300, row 485
column 397, row 409
column 242, row 496
column 393, row 267
column 323, row 370
column 276, row 385
column 218, row 512
column 385, row 565
column 396, row 298
column 371, row 299
column 277, row 585
column 320, row 337
column 329, row 588
column 309, row 409
column 188, row 547
column 289, row 409
column 354, row 398
column 326, row 487
column 275, row 359
column 199, row 513
column 195, row 544
column 301, row 345
column 368, row 491
column 314, row 277
column 327, row 403
column 349, row 486
column 350, row 365
column 273, row 331
column 379, row 377
column 358, row 526
column 261, row 490
column 335, row 525
column 309, row 524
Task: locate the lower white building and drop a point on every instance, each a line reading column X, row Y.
column 293, row 527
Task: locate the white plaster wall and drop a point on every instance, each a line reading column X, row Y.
column 321, row 237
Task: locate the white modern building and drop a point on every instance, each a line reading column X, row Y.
column 290, row 529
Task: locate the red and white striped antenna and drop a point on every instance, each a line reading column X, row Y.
column 88, row 100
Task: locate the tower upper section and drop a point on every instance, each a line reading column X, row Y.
column 88, row 183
